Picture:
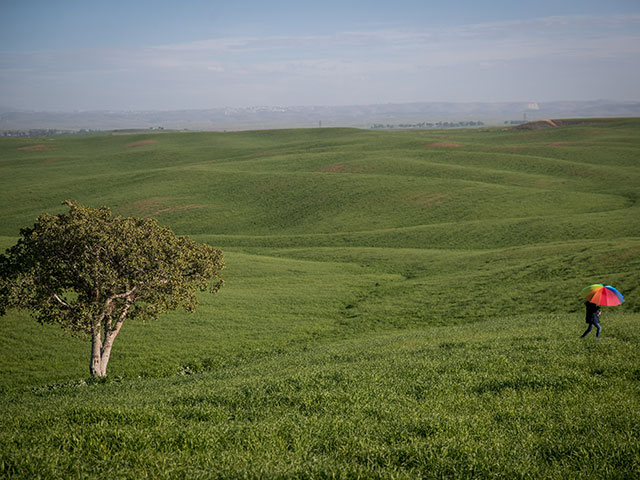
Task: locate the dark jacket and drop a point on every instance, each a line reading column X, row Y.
column 593, row 313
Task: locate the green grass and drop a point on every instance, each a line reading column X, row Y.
column 515, row 398
column 398, row 305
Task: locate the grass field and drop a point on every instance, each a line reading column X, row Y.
column 397, row 305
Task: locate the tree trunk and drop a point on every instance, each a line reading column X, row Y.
column 106, row 351
column 101, row 348
column 95, row 366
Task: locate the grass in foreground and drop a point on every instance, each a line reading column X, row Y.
column 514, row 398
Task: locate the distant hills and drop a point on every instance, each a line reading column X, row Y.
column 363, row 116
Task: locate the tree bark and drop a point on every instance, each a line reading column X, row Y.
column 101, row 349
column 95, row 365
column 105, row 352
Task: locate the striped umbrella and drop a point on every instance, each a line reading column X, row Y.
column 601, row 294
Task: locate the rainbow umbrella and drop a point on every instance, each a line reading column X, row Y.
column 601, row 294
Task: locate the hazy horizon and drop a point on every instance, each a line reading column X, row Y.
column 159, row 56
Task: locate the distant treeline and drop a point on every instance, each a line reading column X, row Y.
column 429, row 125
column 40, row 132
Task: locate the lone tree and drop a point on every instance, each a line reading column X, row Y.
column 89, row 271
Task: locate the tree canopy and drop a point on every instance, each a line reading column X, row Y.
column 89, row 270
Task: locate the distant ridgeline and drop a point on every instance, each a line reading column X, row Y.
column 429, row 125
column 46, row 132
column 35, row 132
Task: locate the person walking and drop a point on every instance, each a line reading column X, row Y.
column 593, row 318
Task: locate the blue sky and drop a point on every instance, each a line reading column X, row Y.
column 160, row 55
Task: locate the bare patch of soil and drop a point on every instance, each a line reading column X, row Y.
column 178, row 208
column 148, row 205
column 141, row 143
column 547, row 182
column 36, row 147
column 158, row 205
column 51, row 160
column 339, row 167
column 429, row 200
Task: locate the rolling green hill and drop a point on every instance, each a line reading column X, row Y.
column 398, row 304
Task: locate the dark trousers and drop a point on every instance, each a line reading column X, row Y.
column 591, row 325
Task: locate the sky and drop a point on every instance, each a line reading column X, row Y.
column 69, row 55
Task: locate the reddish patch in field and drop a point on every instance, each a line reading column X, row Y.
column 157, row 205
column 51, row 160
column 444, row 144
column 141, row 143
column 339, row 167
column 36, row 147
column 429, row 200
column 546, row 182
column 148, row 205
column 177, row 208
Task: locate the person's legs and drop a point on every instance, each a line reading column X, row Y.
column 597, row 330
column 588, row 330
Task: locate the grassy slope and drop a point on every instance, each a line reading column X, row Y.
column 396, row 303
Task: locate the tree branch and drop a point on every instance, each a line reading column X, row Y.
column 62, row 301
column 123, row 315
column 126, row 294
column 108, row 309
